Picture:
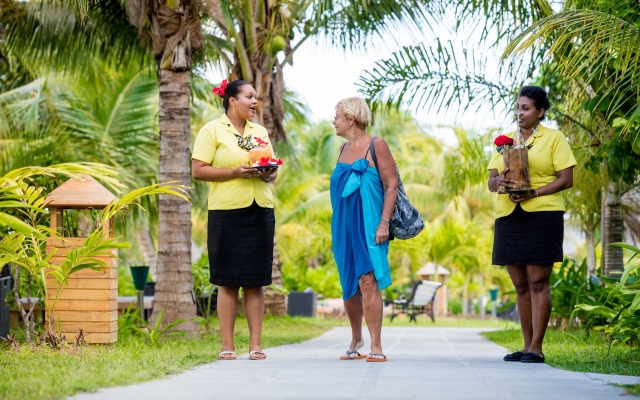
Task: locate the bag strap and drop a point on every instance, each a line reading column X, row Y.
column 341, row 150
column 372, row 149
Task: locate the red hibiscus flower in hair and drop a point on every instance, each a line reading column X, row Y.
column 221, row 89
column 503, row 142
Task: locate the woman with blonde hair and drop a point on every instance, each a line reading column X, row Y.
column 363, row 198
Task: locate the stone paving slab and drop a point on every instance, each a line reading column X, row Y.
column 424, row 363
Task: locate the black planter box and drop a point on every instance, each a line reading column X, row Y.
column 5, row 310
column 302, row 304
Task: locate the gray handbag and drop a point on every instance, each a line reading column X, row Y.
column 406, row 221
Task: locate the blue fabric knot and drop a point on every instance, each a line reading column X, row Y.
column 357, row 168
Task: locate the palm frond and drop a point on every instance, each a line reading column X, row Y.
column 131, row 198
column 494, row 21
column 437, row 77
column 42, row 28
column 467, row 164
column 597, row 50
column 99, row 171
column 350, row 24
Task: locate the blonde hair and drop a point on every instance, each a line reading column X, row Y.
column 356, row 108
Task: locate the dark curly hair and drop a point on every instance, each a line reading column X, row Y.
column 539, row 97
column 233, row 89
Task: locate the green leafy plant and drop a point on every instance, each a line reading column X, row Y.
column 204, row 290
column 153, row 334
column 27, row 248
column 618, row 303
column 568, row 283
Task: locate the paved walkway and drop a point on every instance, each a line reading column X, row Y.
column 424, row 363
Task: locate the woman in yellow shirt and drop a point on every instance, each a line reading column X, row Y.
column 241, row 220
column 529, row 228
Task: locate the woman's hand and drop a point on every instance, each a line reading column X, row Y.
column 245, row 172
column 519, row 198
column 265, row 174
column 382, row 233
column 502, row 182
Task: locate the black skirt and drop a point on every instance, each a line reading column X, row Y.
column 528, row 238
column 240, row 244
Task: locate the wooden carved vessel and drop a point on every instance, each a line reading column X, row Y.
column 517, row 161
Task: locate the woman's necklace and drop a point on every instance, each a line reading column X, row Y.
column 245, row 143
column 534, row 131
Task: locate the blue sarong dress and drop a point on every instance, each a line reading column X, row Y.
column 357, row 196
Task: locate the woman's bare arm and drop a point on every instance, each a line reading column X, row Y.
column 389, row 177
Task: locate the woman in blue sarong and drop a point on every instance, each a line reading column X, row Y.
column 363, row 199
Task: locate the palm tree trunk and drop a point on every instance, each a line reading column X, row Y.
column 612, row 226
column 270, row 91
column 591, row 252
column 174, row 284
column 274, row 303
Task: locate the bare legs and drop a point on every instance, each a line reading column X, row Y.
column 534, row 302
column 227, row 307
column 369, row 306
column 353, row 308
column 254, row 308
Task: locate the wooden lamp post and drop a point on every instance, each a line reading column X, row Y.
column 90, row 301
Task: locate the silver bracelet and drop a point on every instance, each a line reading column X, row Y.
column 384, row 220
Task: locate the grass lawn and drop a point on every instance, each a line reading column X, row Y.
column 574, row 351
column 42, row 373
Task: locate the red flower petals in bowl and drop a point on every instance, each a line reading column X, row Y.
column 267, row 162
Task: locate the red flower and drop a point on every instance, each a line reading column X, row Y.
column 277, row 162
column 503, row 140
column 221, row 90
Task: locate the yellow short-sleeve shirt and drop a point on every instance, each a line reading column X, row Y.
column 217, row 144
column 548, row 153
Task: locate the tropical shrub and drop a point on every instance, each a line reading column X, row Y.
column 568, row 283
column 24, row 245
column 619, row 304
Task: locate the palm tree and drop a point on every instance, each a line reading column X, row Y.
column 108, row 40
column 259, row 31
column 175, row 32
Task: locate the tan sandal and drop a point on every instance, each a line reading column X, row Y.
column 257, row 355
column 227, row 355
